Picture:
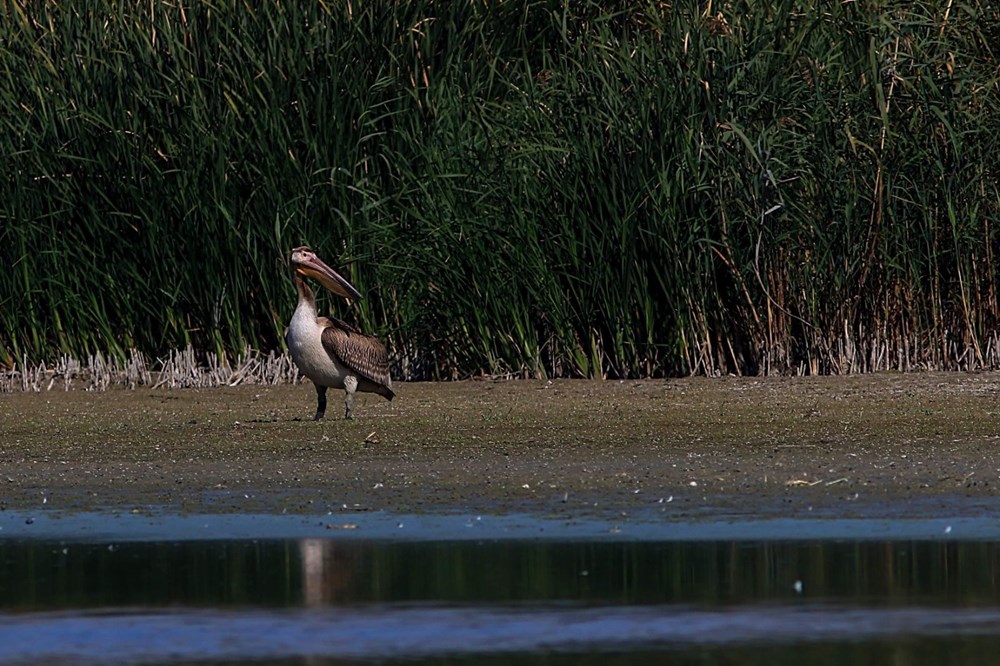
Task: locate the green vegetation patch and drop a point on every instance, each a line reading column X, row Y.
column 538, row 188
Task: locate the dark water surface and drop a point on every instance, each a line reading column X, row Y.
column 494, row 601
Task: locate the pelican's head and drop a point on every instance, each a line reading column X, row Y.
column 305, row 263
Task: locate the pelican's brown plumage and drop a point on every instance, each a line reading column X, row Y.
column 330, row 352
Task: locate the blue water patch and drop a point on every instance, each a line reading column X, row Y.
column 421, row 632
column 380, row 525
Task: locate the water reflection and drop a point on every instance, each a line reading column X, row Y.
column 318, row 601
column 316, row 572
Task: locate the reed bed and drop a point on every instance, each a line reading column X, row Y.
column 518, row 188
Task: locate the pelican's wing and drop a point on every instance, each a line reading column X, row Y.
column 363, row 354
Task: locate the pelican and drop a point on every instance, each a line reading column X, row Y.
column 330, row 352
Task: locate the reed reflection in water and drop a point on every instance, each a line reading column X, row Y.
column 318, row 572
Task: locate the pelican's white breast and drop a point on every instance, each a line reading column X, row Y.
column 305, row 343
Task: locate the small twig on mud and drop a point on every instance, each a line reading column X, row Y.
column 842, row 479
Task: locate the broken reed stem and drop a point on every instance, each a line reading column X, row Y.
column 179, row 369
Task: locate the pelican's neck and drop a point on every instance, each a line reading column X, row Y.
column 307, row 302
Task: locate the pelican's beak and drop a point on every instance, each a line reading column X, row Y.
column 309, row 265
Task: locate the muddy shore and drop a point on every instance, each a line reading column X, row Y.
column 841, row 445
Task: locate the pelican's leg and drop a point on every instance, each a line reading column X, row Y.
column 350, row 385
column 320, row 402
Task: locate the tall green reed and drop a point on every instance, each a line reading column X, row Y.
column 534, row 188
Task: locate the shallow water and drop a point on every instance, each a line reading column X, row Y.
column 499, row 601
column 951, row 519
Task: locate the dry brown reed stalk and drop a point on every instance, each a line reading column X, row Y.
column 179, row 369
